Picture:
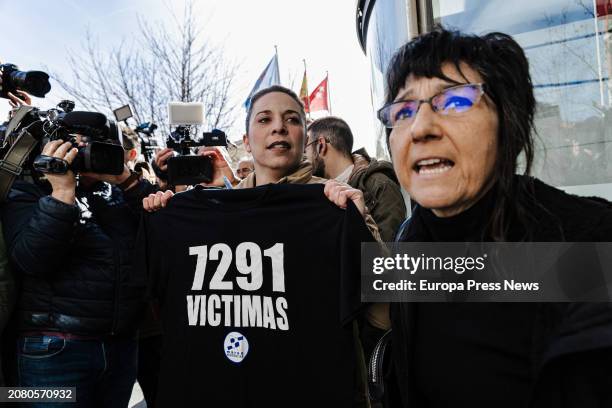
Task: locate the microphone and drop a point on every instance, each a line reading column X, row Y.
column 81, row 118
column 85, row 122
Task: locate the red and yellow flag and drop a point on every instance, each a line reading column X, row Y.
column 304, row 94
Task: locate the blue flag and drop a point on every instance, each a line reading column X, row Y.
column 270, row 76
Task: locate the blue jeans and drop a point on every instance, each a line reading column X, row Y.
column 103, row 371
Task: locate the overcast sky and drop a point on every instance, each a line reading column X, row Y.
column 39, row 33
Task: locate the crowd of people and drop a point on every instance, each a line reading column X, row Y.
column 78, row 311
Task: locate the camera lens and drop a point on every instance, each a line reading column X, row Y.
column 33, row 82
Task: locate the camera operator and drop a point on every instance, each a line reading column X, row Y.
column 149, row 330
column 7, row 296
column 7, row 283
column 71, row 245
column 132, row 148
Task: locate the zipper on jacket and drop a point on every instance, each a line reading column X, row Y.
column 375, row 368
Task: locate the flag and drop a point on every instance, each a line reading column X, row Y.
column 304, row 94
column 318, row 97
column 604, row 8
column 270, row 76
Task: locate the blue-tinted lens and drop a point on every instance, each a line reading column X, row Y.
column 403, row 110
column 456, row 100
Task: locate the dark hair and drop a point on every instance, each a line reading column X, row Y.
column 502, row 64
column 336, row 131
column 265, row 91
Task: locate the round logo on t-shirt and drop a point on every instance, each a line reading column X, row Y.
column 236, row 347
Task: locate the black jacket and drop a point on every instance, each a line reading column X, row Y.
column 74, row 263
column 571, row 343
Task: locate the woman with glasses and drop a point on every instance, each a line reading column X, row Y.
column 459, row 113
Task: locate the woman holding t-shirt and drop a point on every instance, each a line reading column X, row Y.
column 276, row 137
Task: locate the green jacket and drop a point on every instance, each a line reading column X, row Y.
column 381, row 190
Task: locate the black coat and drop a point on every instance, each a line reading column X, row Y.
column 74, row 263
column 571, row 343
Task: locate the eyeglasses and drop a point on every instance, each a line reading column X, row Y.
column 310, row 144
column 451, row 101
column 315, row 141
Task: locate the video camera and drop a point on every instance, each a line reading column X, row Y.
column 33, row 82
column 31, row 126
column 101, row 153
column 148, row 142
column 187, row 168
column 145, row 131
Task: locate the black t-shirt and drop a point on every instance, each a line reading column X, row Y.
column 257, row 289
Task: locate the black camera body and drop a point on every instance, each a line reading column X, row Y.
column 215, row 138
column 33, row 82
column 100, row 153
column 189, row 170
column 186, row 168
column 180, row 140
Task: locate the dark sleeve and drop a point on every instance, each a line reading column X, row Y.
column 149, row 257
column 38, row 230
column 388, row 208
column 134, row 196
column 354, row 232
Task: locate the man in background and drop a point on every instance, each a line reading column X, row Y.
column 330, row 142
column 329, row 146
column 245, row 167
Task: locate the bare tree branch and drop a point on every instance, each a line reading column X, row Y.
column 159, row 66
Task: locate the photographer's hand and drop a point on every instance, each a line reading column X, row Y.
column 16, row 101
column 220, row 167
column 161, row 158
column 63, row 185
